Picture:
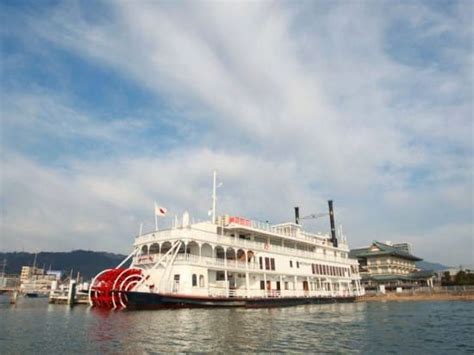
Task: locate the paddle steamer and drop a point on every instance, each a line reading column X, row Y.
column 230, row 261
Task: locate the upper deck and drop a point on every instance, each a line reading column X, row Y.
column 280, row 232
column 285, row 239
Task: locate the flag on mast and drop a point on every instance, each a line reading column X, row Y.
column 160, row 211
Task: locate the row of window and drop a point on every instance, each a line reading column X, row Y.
column 269, row 285
column 307, row 286
column 269, row 263
column 297, row 264
column 201, row 280
column 328, row 270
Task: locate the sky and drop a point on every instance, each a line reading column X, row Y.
column 109, row 106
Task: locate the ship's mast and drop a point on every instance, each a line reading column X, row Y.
column 214, row 197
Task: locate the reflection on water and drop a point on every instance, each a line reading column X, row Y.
column 435, row 327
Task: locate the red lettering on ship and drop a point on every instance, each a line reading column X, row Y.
column 239, row 220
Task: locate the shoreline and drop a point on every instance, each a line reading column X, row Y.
column 393, row 297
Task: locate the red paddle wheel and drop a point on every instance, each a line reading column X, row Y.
column 107, row 287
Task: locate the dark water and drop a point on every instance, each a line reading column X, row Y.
column 33, row 326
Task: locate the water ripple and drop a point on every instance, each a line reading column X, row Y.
column 406, row 327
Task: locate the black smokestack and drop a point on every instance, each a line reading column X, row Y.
column 333, row 226
column 297, row 215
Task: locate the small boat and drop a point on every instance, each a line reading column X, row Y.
column 34, row 294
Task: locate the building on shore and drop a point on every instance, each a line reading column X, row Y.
column 29, row 272
column 391, row 267
column 36, row 279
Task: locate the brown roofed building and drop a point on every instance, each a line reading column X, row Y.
column 391, row 266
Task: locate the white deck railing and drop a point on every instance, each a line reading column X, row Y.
column 215, row 290
column 195, row 259
column 223, row 240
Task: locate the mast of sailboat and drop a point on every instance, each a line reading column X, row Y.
column 4, row 266
column 34, row 263
column 34, row 272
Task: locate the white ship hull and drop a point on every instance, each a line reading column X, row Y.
column 231, row 263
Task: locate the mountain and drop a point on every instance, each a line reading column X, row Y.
column 426, row 265
column 87, row 262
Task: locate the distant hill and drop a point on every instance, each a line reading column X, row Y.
column 426, row 265
column 87, row 262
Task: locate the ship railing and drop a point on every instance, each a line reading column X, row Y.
column 248, row 244
column 148, row 259
column 318, row 239
column 291, row 233
column 208, row 261
column 216, row 290
column 221, row 290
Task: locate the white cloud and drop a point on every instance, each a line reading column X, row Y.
column 299, row 103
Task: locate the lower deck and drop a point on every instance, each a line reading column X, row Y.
column 197, row 281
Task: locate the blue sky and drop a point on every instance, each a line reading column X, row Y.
column 109, row 106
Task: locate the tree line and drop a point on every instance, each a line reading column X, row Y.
column 461, row 278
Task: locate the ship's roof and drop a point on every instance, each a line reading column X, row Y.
column 379, row 249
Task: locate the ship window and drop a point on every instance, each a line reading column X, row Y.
column 272, row 261
column 262, row 285
column 298, row 264
column 291, row 263
column 312, row 269
column 201, row 280
column 267, row 264
column 286, row 285
column 194, row 280
column 176, row 277
column 261, row 262
column 220, row 276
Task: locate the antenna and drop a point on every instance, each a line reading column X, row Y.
column 314, row 216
